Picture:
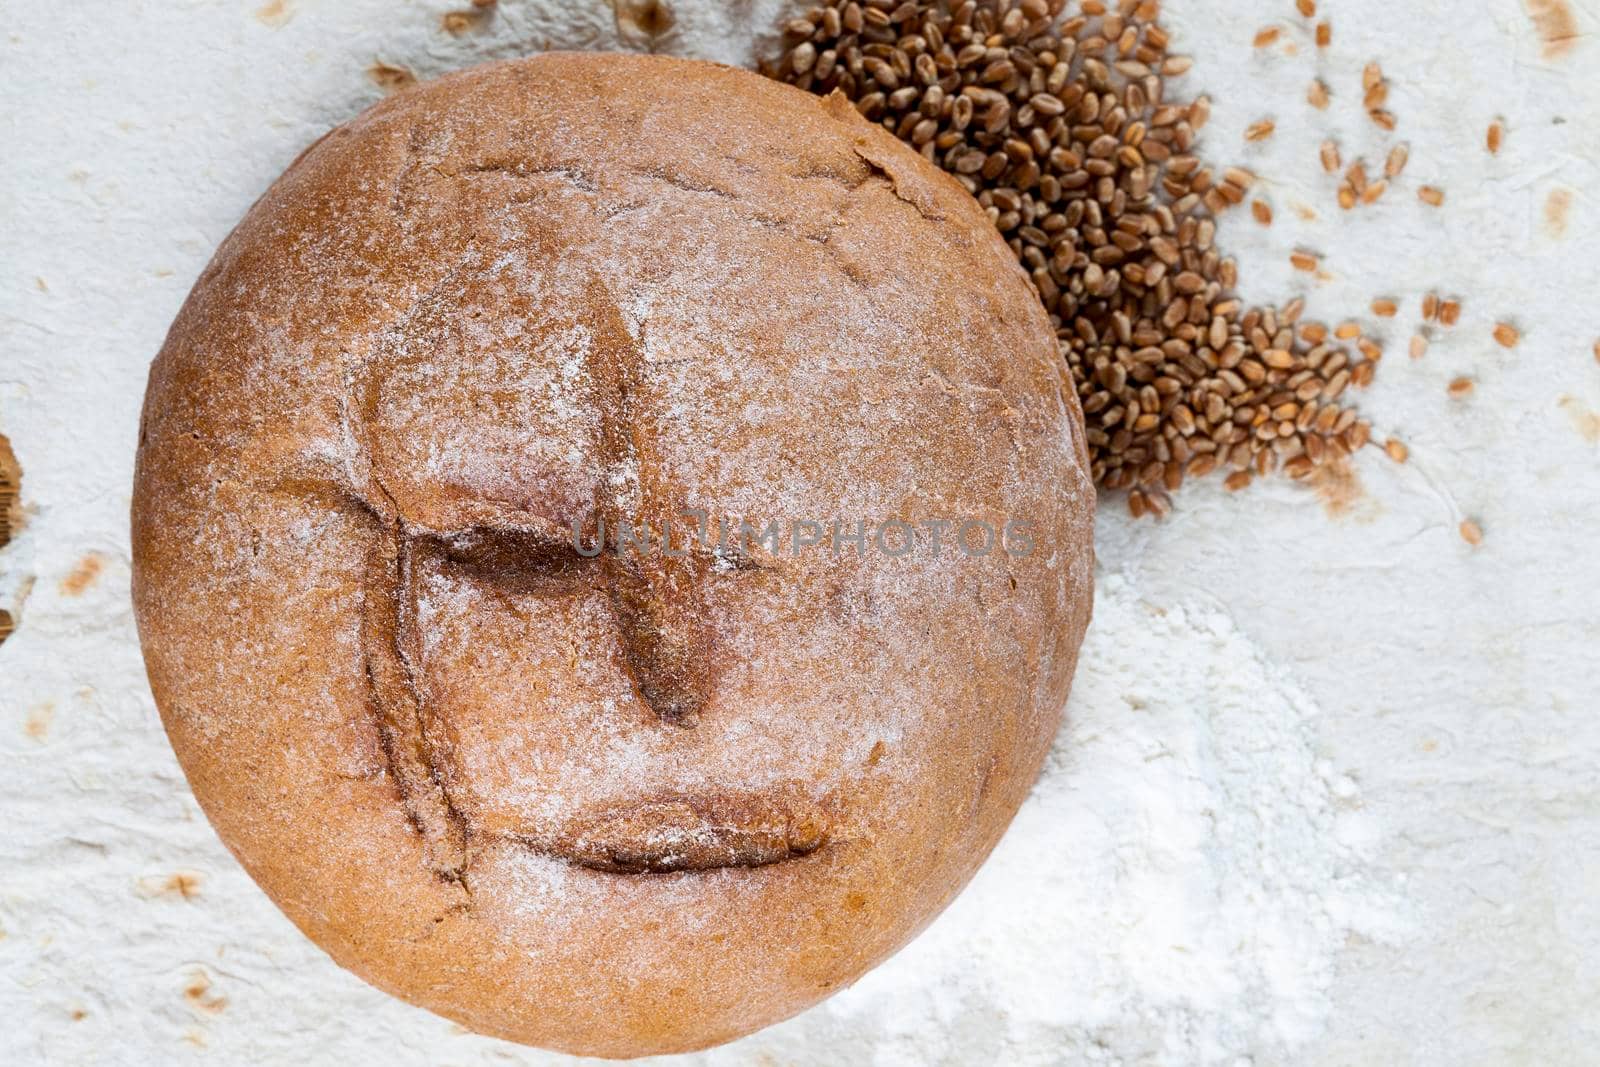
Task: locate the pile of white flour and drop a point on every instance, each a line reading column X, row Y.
column 1175, row 891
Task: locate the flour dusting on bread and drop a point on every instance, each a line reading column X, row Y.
column 625, row 801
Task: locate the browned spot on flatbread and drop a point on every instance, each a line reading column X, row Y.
column 1554, row 22
column 78, row 581
column 275, row 13
column 1586, row 422
column 1557, row 207
column 37, row 724
column 389, row 78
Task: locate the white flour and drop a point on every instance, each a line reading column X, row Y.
column 1175, row 891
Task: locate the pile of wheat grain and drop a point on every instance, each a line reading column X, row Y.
column 1062, row 125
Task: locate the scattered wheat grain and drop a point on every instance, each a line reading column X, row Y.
column 1299, row 467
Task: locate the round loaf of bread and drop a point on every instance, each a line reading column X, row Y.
column 612, row 538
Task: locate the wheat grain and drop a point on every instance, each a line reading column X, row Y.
column 1330, row 157
column 1356, row 177
column 1067, row 135
column 1399, row 155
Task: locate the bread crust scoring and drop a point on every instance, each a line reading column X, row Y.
column 619, row 803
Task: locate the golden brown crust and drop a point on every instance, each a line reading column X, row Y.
column 627, row 804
